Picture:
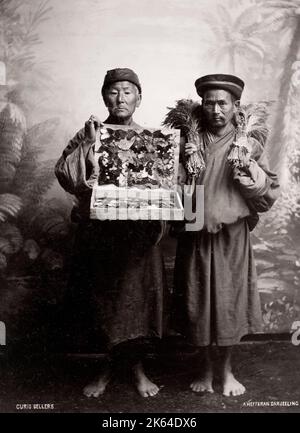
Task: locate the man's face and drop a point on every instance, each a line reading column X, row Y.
column 121, row 99
column 218, row 107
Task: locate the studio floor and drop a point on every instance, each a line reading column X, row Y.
column 269, row 370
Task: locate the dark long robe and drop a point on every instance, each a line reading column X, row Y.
column 216, row 297
column 118, row 285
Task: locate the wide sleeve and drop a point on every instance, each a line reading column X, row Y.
column 75, row 170
column 257, row 184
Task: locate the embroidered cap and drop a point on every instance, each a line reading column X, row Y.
column 231, row 83
column 121, row 74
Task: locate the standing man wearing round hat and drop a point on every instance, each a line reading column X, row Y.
column 118, row 281
column 216, row 298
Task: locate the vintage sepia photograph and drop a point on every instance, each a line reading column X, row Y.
column 149, row 209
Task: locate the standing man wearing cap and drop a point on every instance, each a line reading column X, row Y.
column 118, row 281
column 216, row 298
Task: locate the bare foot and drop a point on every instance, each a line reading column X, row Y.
column 203, row 384
column 232, row 387
column 97, row 387
column 145, row 387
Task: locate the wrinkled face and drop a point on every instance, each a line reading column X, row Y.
column 218, row 107
column 121, row 99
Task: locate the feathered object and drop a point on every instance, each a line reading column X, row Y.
column 186, row 117
column 251, row 121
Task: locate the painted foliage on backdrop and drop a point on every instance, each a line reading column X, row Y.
column 31, row 226
column 258, row 40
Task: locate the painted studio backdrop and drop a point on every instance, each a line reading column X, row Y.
column 53, row 57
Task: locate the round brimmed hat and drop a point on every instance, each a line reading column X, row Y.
column 121, row 74
column 231, row 83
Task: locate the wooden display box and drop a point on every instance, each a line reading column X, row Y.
column 115, row 203
column 137, row 174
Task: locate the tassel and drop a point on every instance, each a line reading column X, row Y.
column 239, row 155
